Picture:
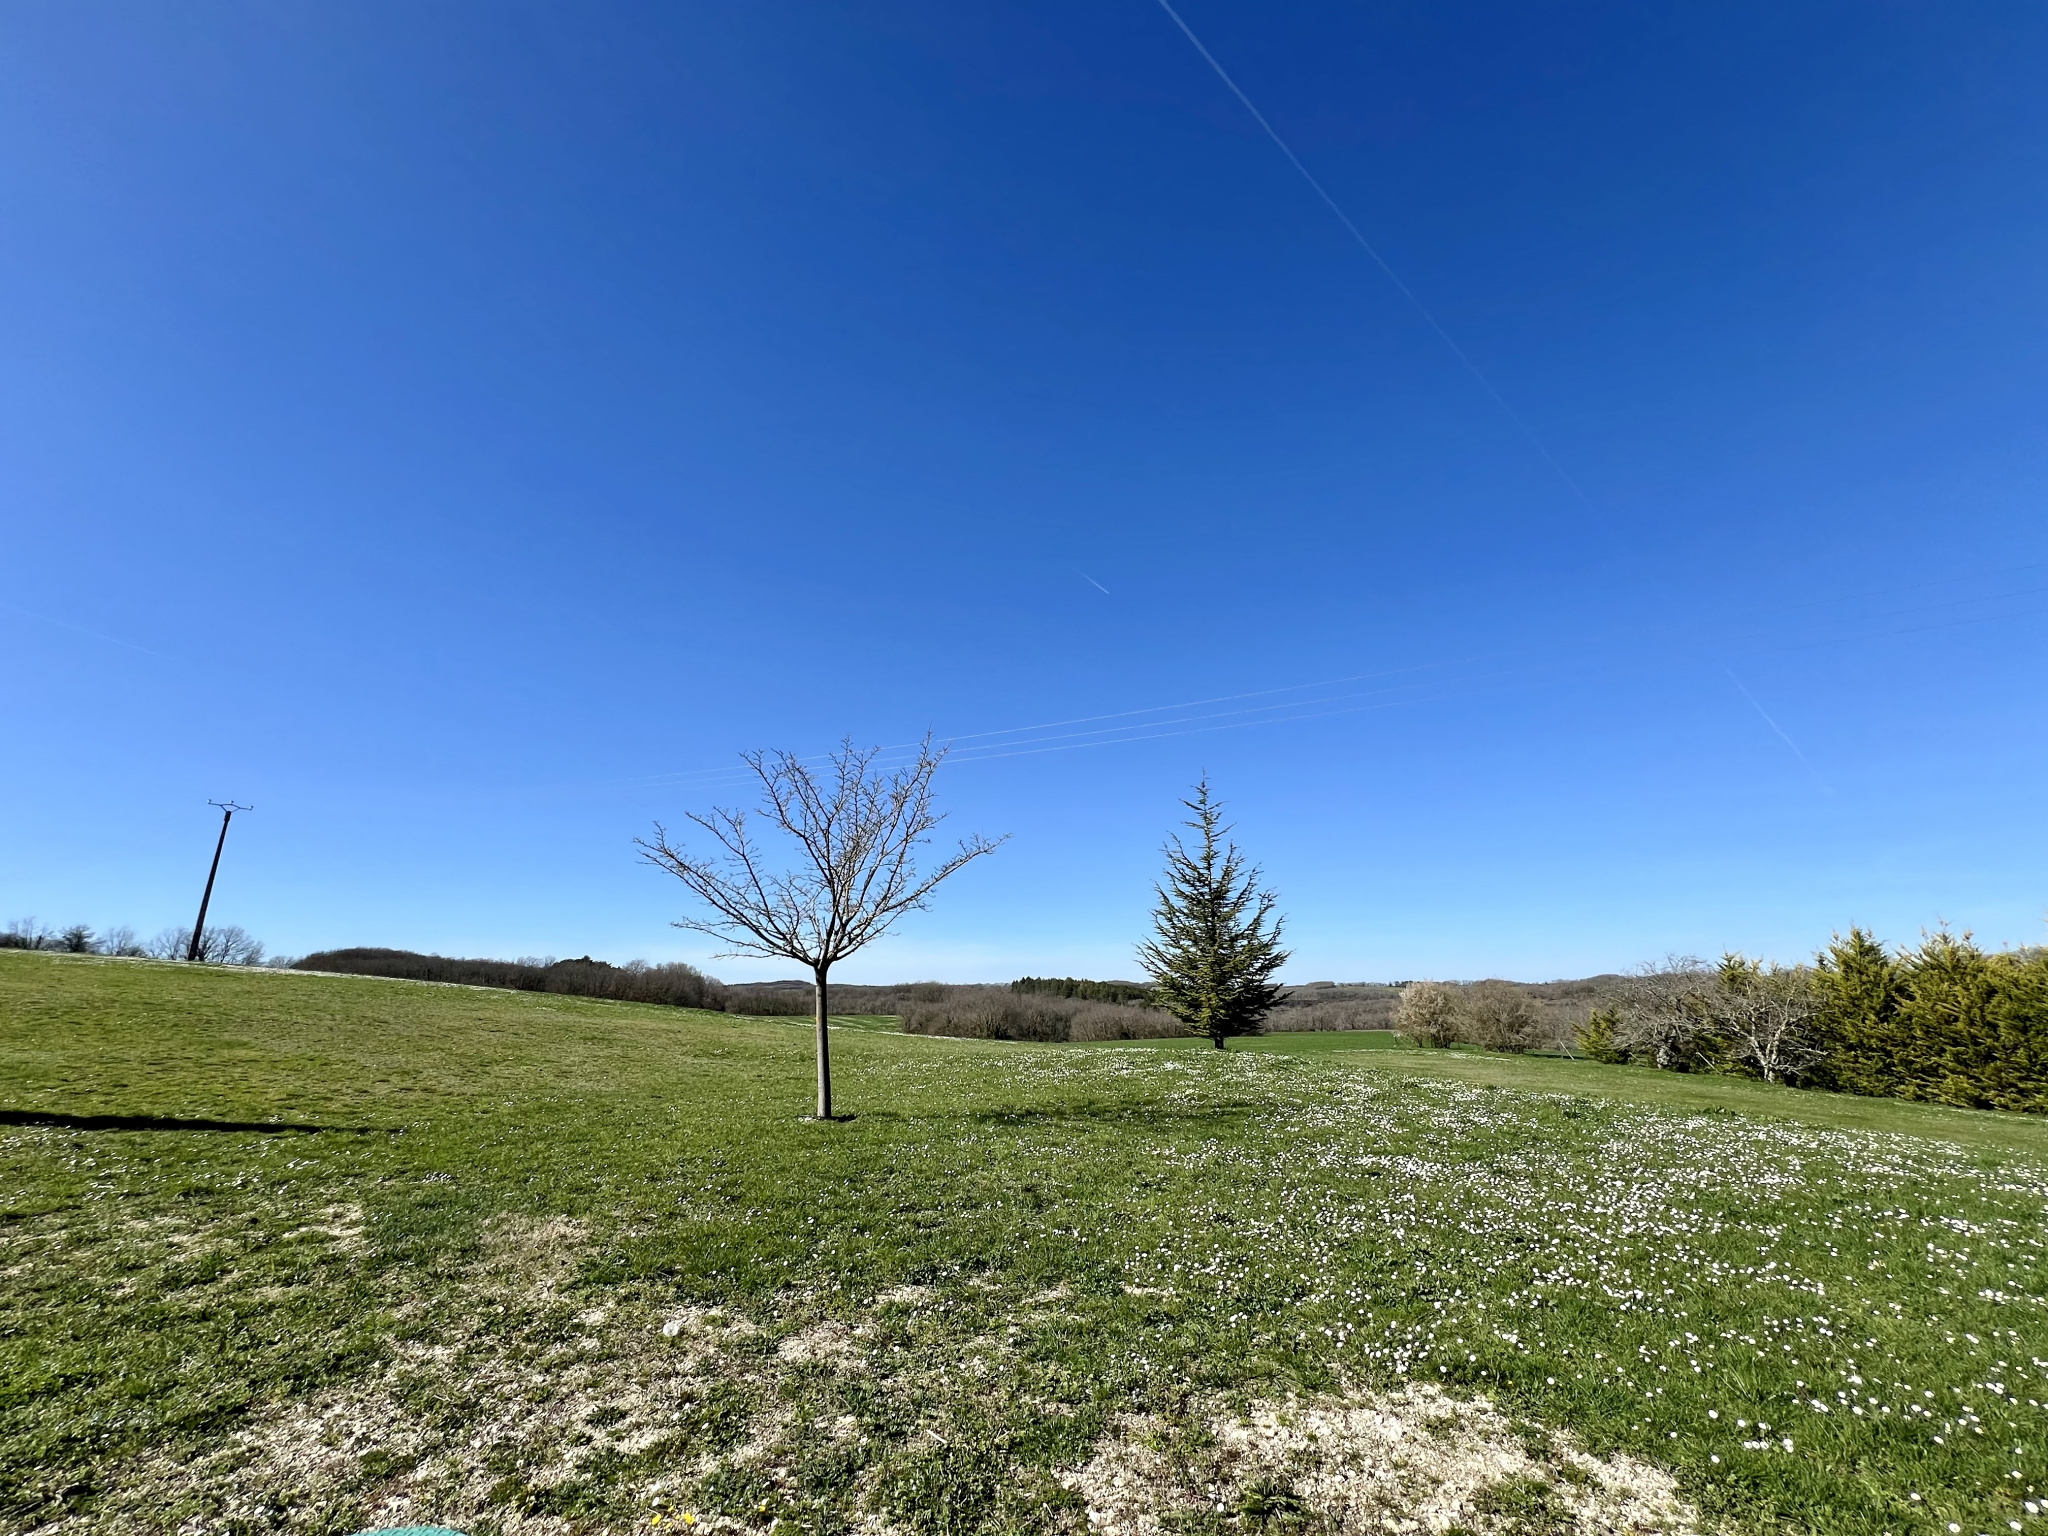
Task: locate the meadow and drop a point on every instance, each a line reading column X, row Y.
column 297, row 1253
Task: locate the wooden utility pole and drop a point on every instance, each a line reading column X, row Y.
column 227, row 814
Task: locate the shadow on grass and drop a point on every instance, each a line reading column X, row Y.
column 1217, row 1112
column 166, row 1123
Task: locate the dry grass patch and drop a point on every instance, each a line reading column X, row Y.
column 830, row 1344
column 1415, row 1460
column 497, row 1402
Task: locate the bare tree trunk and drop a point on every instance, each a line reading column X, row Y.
column 858, row 829
column 824, row 1049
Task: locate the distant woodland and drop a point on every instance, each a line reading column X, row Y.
column 1031, row 1008
column 1945, row 1022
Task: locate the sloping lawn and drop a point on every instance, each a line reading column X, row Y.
column 300, row 1253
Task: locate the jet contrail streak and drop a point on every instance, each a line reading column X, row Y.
column 30, row 613
column 1367, row 246
column 1823, row 783
column 1098, row 586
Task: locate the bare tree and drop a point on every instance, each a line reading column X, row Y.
column 1765, row 1018
column 1427, row 1013
column 857, row 830
column 226, row 945
column 27, row 933
column 1500, row 1017
column 1667, row 1012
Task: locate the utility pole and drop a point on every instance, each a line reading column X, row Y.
column 227, row 814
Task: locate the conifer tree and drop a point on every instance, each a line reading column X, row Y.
column 1860, row 994
column 2017, row 1069
column 1596, row 1037
column 1216, row 942
column 1949, row 987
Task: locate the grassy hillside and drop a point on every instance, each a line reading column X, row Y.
column 288, row 1252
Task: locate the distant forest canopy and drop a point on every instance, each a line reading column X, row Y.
column 684, row 986
column 1093, row 991
column 676, row 985
column 940, row 1008
column 1004, row 1013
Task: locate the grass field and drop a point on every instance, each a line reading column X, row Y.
column 295, row 1253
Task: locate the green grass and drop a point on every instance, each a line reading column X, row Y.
column 1293, row 1042
column 1648, row 1086
column 346, row 1242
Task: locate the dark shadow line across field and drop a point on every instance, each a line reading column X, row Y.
column 58, row 1121
column 1225, row 1110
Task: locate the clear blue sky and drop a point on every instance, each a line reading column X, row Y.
column 449, row 427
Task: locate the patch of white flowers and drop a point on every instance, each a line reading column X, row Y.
column 1752, row 1288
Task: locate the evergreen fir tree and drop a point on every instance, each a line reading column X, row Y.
column 1869, row 1049
column 1949, row 987
column 1596, row 1037
column 1216, row 943
column 2016, row 1075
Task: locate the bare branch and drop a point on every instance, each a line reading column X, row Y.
column 858, row 832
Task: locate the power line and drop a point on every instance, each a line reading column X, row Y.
column 963, row 742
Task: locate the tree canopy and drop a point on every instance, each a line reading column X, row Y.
column 1216, row 942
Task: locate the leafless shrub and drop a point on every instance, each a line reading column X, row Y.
column 996, row 1013
column 1428, row 1013
column 778, row 1000
column 1113, row 1021
column 1329, row 1005
column 983, row 1013
column 1498, row 1016
column 220, row 945
column 27, row 933
column 1765, row 1019
column 1326, row 1016
column 1667, row 1013
column 78, row 939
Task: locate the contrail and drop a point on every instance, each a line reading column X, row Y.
column 1098, row 586
column 1823, row 783
column 1367, row 246
column 30, row 613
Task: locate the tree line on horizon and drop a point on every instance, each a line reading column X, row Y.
column 1946, row 1022
column 221, row 944
column 1943, row 1022
column 1030, row 1008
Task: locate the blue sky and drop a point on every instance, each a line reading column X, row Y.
column 454, row 428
